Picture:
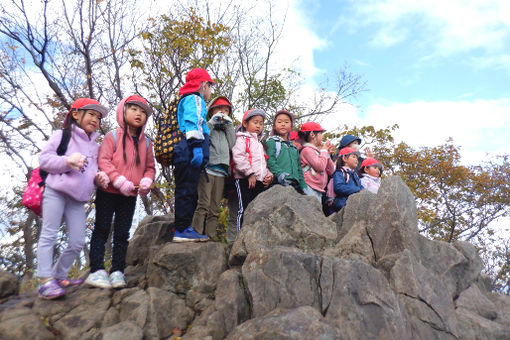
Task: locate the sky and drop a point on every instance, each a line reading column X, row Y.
column 439, row 69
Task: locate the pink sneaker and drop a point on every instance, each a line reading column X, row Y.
column 51, row 290
column 64, row 283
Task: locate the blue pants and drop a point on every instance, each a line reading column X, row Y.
column 186, row 194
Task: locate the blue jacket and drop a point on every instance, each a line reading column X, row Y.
column 343, row 189
column 191, row 114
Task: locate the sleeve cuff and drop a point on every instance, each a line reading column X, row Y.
column 195, row 134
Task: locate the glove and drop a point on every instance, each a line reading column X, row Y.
column 198, row 157
column 102, row 179
column 145, row 186
column 76, row 161
column 124, row 186
column 282, row 180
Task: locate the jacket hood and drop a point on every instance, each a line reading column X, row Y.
column 348, row 139
column 219, row 101
column 121, row 108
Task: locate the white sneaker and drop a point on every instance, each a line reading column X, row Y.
column 117, row 279
column 99, row 279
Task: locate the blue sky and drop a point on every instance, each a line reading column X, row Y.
column 439, row 69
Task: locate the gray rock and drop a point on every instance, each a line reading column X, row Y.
column 477, row 302
column 9, row 284
column 23, row 324
column 277, row 218
column 475, row 327
column 152, row 231
column 122, row 331
column 135, row 308
column 299, row 323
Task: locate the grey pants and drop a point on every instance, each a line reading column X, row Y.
column 55, row 206
column 210, row 193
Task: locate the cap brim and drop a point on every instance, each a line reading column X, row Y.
column 96, row 107
column 145, row 107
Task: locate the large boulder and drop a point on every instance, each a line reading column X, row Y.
column 9, row 284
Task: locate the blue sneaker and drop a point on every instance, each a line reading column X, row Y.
column 189, row 235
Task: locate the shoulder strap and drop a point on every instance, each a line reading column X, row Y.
column 61, row 150
column 114, row 132
column 278, row 146
column 346, row 174
column 247, row 139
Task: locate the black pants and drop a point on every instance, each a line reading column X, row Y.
column 123, row 207
column 245, row 195
column 186, row 194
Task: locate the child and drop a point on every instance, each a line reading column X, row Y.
column 250, row 169
column 355, row 143
column 126, row 157
column 212, row 182
column 283, row 159
column 296, row 141
column 315, row 160
column 370, row 173
column 70, row 183
column 345, row 180
column 191, row 153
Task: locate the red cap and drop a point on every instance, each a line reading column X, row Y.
column 311, row 126
column 370, row 161
column 193, row 80
column 293, row 135
column 220, row 101
column 137, row 100
column 85, row 104
column 348, row 151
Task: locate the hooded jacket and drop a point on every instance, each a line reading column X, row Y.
column 222, row 138
column 343, row 189
column 77, row 184
column 252, row 162
column 371, row 183
column 111, row 158
column 287, row 161
column 317, row 166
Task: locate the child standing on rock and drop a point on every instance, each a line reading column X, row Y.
column 126, row 157
column 212, row 181
column 284, row 161
column 70, row 183
column 345, row 179
column 250, row 168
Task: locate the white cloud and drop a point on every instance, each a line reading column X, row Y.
column 479, row 126
column 448, row 26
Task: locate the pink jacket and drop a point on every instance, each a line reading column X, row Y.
column 249, row 157
column 112, row 163
column 317, row 166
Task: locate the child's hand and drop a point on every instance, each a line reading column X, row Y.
column 102, row 179
column 326, row 146
column 252, row 180
column 332, row 149
column 145, row 186
column 197, row 159
column 76, row 161
column 369, row 153
column 124, row 186
column 267, row 180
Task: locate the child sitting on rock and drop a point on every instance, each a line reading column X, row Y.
column 250, row 169
column 370, row 173
column 283, row 157
column 345, row 180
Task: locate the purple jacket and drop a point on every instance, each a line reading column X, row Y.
column 77, row 184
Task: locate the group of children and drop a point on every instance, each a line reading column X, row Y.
column 211, row 155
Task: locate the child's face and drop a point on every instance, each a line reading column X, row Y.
column 372, row 170
column 317, row 139
column 255, row 124
column 222, row 108
column 354, row 145
column 282, row 125
column 205, row 89
column 88, row 120
column 135, row 116
column 351, row 161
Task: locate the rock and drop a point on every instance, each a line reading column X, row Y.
column 299, row 323
column 473, row 326
column 152, row 231
column 122, row 331
column 277, row 218
column 9, row 284
column 23, row 324
column 135, row 308
column 475, row 301
column 181, row 268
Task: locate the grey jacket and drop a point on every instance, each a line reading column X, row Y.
column 222, row 139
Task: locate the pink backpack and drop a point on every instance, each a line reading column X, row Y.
column 330, row 188
column 32, row 196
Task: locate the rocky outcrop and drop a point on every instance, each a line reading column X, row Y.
column 362, row 273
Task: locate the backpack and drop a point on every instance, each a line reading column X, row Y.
column 32, row 196
column 168, row 134
column 330, row 188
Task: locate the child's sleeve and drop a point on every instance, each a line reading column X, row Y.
column 240, row 157
column 150, row 168
column 341, row 187
column 317, row 162
column 48, row 158
column 330, row 167
column 271, row 160
column 192, row 117
column 231, row 135
column 105, row 157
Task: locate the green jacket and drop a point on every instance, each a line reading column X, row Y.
column 287, row 161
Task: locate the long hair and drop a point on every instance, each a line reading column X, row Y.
column 135, row 140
